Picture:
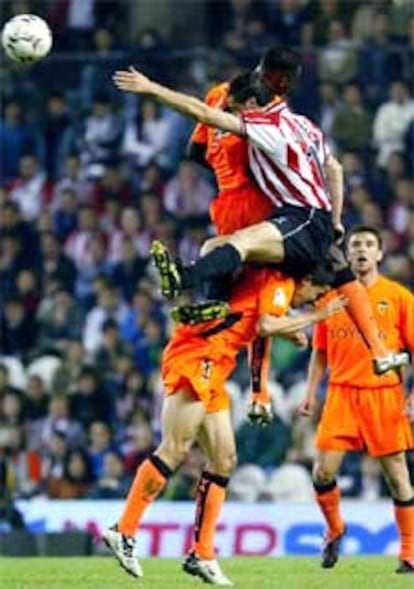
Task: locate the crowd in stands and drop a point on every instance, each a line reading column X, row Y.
column 88, row 177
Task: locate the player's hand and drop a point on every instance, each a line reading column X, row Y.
column 307, row 406
column 300, row 339
column 333, row 307
column 132, row 80
column 259, row 413
column 339, row 231
column 409, row 407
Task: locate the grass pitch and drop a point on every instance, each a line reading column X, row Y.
column 246, row 573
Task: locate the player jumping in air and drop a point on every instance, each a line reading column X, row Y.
column 292, row 165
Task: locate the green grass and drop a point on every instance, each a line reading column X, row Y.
column 246, row 573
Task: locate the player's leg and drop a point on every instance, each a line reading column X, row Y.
column 328, row 496
column 260, row 243
column 359, row 309
column 260, row 406
column 181, row 418
column 387, row 434
column 398, row 480
column 216, row 439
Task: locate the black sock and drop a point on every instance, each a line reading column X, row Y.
column 219, row 262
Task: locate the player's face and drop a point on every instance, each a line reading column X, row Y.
column 237, row 107
column 363, row 252
column 307, row 292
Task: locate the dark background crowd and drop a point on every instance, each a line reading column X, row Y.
column 89, row 176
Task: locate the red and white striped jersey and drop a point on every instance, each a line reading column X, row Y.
column 287, row 153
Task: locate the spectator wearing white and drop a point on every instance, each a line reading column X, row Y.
column 108, row 306
column 78, row 244
column 130, row 227
column 101, row 137
column 337, row 62
column 29, row 189
column 391, row 122
column 74, row 179
column 188, row 194
column 145, row 139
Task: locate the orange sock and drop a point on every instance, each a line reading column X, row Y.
column 404, row 517
column 328, row 498
column 150, row 479
column 360, row 311
column 259, row 361
column 211, row 493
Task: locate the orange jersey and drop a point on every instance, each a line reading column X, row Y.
column 348, row 358
column 226, row 153
column 219, row 341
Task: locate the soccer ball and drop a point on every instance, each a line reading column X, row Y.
column 26, row 38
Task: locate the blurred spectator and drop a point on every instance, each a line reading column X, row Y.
column 255, row 446
column 94, row 265
column 90, row 401
column 285, row 20
column 58, row 422
column 17, row 138
column 28, row 291
column 111, row 186
column 78, row 244
column 108, row 306
column 127, row 272
column 100, row 443
column 73, row 178
column 338, row 58
column 36, row 399
column 64, row 215
column 17, row 330
column 59, row 321
column 113, row 483
column 145, row 139
column 330, row 106
column 76, row 480
column 12, row 261
column 352, row 124
column 54, row 130
column 131, row 227
column 111, row 347
column 28, row 190
column 101, row 136
column 74, row 360
column 378, row 61
column 391, row 122
column 188, row 194
column 57, row 269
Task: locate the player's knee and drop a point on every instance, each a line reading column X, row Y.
column 173, row 451
column 400, row 486
column 322, row 475
column 225, row 464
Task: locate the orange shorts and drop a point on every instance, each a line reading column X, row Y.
column 235, row 209
column 191, row 366
column 364, row 419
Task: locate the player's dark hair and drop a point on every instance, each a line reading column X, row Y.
column 323, row 274
column 280, row 68
column 240, row 87
column 365, row 229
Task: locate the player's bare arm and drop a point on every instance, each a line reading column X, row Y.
column 134, row 81
column 316, row 371
column 335, row 180
column 271, row 325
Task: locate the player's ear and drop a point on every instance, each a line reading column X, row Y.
column 380, row 256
